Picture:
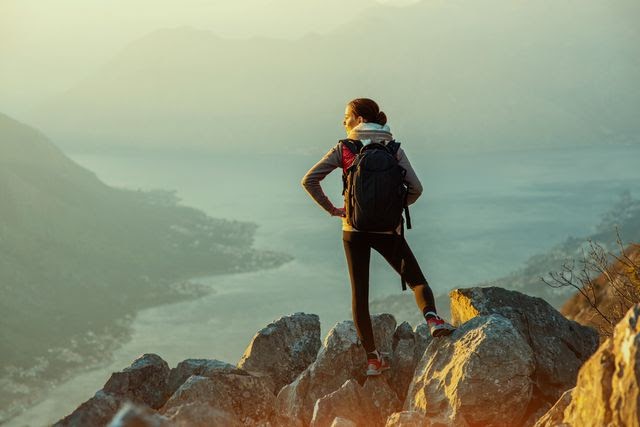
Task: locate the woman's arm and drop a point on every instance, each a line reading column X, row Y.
column 311, row 180
column 414, row 186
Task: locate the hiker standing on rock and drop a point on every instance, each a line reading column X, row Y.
column 379, row 183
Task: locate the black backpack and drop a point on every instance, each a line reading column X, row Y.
column 374, row 191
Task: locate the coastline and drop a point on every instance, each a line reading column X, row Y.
column 99, row 352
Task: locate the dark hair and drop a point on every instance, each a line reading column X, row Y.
column 368, row 110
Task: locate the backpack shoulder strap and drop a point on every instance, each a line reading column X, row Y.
column 393, row 146
column 353, row 145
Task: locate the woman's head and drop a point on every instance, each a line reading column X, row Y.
column 362, row 110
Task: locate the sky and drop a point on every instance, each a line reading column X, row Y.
column 47, row 46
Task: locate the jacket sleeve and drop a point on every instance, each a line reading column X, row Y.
column 311, row 180
column 414, row 185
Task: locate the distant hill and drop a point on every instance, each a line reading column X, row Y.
column 451, row 75
column 77, row 256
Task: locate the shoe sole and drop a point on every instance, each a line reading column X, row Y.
column 442, row 332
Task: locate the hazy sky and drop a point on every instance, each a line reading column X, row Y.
column 46, row 46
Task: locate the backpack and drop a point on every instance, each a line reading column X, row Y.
column 373, row 188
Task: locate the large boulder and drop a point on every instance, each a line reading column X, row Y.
column 408, row 347
column 200, row 414
column 97, row 411
column 340, row 358
column 249, row 398
column 560, row 346
column 365, row 406
column 607, row 391
column 284, row 348
column 479, row 375
column 144, row 382
column 201, row 367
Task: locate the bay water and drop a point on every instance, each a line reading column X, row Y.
column 481, row 216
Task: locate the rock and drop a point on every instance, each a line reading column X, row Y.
column 423, row 338
column 97, row 411
column 145, row 381
column 342, row 422
column 340, row 358
column 554, row 416
column 607, row 391
column 201, row 367
column 407, row 419
column 199, row 414
column 560, row 346
column 131, row 415
column 367, row 406
column 284, row 348
column 479, row 375
column 249, row 398
column 403, row 360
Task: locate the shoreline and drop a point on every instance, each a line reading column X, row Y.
column 101, row 354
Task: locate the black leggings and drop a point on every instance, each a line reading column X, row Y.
column 357, row 248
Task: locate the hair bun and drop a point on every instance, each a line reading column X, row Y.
column 382, row 118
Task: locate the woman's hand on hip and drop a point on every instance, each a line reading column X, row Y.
column 338, row 212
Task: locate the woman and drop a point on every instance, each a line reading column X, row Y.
column 364, row 121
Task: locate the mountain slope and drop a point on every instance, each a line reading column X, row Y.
column 77, row 255
column 487, row 74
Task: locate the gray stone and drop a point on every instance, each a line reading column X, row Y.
column 284, row 348
column 560, row 346
column 367, row 406
column 132, row 415
column 200, row 414
column 340, row 358
column 201, row 367
column 403, row 360
column 145, row 381
column 97, row 411
column 479, row 375
column 249, row 398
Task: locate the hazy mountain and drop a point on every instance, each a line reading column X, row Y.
column 487, row 74
column 77, row 256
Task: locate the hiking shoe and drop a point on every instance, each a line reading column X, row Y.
column 379, row 364
column 437, row 326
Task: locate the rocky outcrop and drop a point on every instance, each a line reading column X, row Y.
column 248, row 398
column 365, row 406
column 284, row 348
column 201, row 367
column 408, row 347
column 131, row 415
column 560, row 346
column 480, row 375
column 608, row 387
column 341, row 358
column 144, row 382
column 492, row 371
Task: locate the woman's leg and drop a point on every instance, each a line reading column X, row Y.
column 385, row 245
column 358, row 254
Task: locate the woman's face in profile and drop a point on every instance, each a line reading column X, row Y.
column 350, row 119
